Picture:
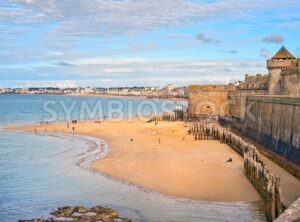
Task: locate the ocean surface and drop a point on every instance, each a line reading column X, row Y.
column 40, row 172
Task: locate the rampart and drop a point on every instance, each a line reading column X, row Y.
column 207, row 100
column 290, row 82
column 237, row 100
column 274, row 122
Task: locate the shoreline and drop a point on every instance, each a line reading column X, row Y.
column 119, row 180
column 106, row 96
column 183, row 183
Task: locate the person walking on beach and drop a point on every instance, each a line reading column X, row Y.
column 159, row 140
column 73, row 128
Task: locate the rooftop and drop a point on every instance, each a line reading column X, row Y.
column 283, row 53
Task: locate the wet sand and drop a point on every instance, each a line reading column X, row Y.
column 165, row 159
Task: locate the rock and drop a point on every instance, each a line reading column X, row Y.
column 89, row 214
column 82, row 214
column 36, row 220
column 107, row 218
column 63, row 219
column 98, row 209
column 64, row 212
column 81, row 209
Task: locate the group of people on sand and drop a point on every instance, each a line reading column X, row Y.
column 73, row 127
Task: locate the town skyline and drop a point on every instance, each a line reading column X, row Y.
column 168, row 91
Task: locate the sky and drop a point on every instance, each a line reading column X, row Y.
column 110, row 43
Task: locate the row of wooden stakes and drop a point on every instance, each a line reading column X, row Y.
column 266, row 184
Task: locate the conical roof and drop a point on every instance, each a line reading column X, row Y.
column 283, row 53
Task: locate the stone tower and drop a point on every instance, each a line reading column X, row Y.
column 283, row 59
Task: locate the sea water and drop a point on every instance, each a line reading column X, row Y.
column 40, row 172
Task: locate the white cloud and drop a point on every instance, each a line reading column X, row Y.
column 40, row 83
column 109, row 17
column 58, row 84
column 233, row 51
column 63, row 63
column 206, row 40
column 131, row 72
column 290, row 24
column 67, row 23
column 99, row 61
column 117, row 70
column 178, row 36
column 128, row 69
column 265, row 53
column 273, row 38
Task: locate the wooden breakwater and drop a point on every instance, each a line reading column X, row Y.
column 164, row 116
column 266, row 184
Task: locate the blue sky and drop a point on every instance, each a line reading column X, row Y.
column 104, row 43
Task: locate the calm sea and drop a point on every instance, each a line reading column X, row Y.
column 39, row 173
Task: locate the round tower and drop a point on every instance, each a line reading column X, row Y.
column 283, row 59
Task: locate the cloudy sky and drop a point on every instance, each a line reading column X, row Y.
column 68, row 43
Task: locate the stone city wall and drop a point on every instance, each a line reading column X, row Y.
column 237, row 101
column 290, row 82
column 274, row 122
column 207, row 100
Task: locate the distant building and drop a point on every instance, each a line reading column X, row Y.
column 167, row 90
column 88, row 90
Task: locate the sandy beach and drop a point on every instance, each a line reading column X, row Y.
column 164, row 158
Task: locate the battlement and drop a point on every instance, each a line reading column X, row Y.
column 211, row 88
column 281, row 63
column 255, row 82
